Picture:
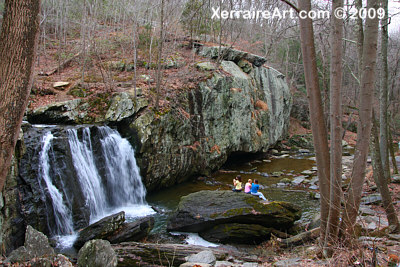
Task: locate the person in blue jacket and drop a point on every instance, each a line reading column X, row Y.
column 254, row 190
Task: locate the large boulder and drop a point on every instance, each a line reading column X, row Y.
column 224, row 216
column 101, row 229
column 77, row 111
column 36, row 245
column 133, row 231
column 66, row 112
column 97, row 253
column 230, row 54
column 237, row 110
column 124, row 105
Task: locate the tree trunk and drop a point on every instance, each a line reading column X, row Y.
column 148, row 254
column 18, row 44
column 364, row 124
column 383, row 94
column 318, row 126
column 380, row 179
column 159, row 61
column 336, row 75
column 390, row 144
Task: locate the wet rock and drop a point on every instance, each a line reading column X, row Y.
column 97, row 253
column 314, row 187
column 277, row 174
column 285, row 181
column 303, row 150
column 36, row 246
column 371, row 199
column 218, row 211
column 205, row 256
column 307, row 172
column 102, row 229
column 133, row 231
column 298, row 180
column 274, row 151
column 237, row 233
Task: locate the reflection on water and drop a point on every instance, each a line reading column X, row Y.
column 168, row 199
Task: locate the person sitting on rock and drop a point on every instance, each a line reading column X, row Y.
column 237, row 184
column 254, row 190
column 247, row 187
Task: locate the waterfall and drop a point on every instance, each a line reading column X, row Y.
column 104, row 178
column 61, row 212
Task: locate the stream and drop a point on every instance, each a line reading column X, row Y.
column 263, row 170
column 84, row 173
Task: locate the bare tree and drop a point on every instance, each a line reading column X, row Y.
column 18, row 43
column 364, row 125
column 336, row 75
column 383, row 94
column 381, row 181
column 318, row 126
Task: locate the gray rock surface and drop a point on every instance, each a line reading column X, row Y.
column 206, row 66
column 67, row 112
column 288, row 262
column 124, row 105
column 97, row 253
column 36, row 246
column 101, row 229
column 224, row 216
column 233, row 111
column 197, row 264
column 371, row 199
column 133, row 231
column 205, row 256
column 231, row 54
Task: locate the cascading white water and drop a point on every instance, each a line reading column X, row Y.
column 62, row 213
column 117, row 187
column 88, row 176
column 122, row 171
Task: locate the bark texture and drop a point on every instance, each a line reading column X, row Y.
column 336, row 126
column 318, row 126
column 364, row 124
column 383, row 94
column 18, row 43
column 380, row 179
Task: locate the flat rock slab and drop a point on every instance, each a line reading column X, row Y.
column 101, row 229
column 204, row 209
column 371, row 199
column 288, row 262
column 225, row 216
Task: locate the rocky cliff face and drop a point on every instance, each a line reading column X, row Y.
column 236, row 110
column 242, row 107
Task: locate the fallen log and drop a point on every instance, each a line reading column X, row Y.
column 62, row 66
column 151, row 254
column 300, row 238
